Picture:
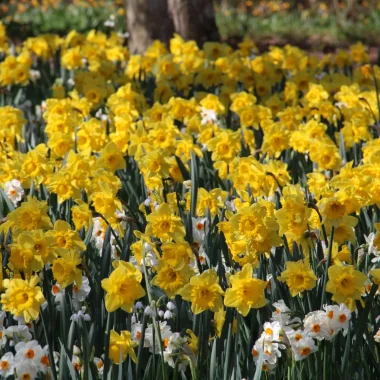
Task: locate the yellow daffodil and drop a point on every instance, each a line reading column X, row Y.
column 298, row 276
column 203, row 292
column 22, row 298
column 246, row 292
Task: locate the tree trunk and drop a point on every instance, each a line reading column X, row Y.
column 194, row 20
column 148, row 20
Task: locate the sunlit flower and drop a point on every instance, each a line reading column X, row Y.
column 246, row 292
column 203, row 292
column 121, row 345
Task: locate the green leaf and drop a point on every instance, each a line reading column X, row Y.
column 227, row 351
column 141, row 347
column 182, row 168
column 71, row 338
column 50, row 345
column 194, row 185
column 64, row 318
column 9, row 204
column 147, row 372
column 259, row 366
column 65, row 359
column 120, row 371
column 88, row 235
column 107, row 361
column 87, row 375
column 213, row 363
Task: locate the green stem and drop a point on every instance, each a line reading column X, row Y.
column 325, row 361
column 377, row 94
column 328, row 262
column 50, row 348
column 362, row 322
column 156, row 327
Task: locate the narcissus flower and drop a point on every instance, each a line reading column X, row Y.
column 214, row 200
column 375, row 273
column 24, row 257
column 303, row 348
column 121, row 345
column 105, row 201
column 65, row 268
column 81, row 215
column 7, row 365
column 64, row 185
column 298, row 276
column 170, row 279
column 225, row 146
column 246, row 292
column 65, row 237
column 164, row 225
column 72, row 58
column 43, row 244
column 203, row 292
column 255, row 228
column 212, row 102
column 14, row 191
column 22, row 298
column 316, row 325
column 332, row 210
column 123, row 287
column 345, row 282
column 192, row 341
column 338, row 317
column 154, row 164
column 111, row 158
column 337, row 257
column 177, row 255
column 31, row 215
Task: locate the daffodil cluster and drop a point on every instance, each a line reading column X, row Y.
column 155, row 209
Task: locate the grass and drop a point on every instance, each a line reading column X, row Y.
column 63, row 18
column 308, row 31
